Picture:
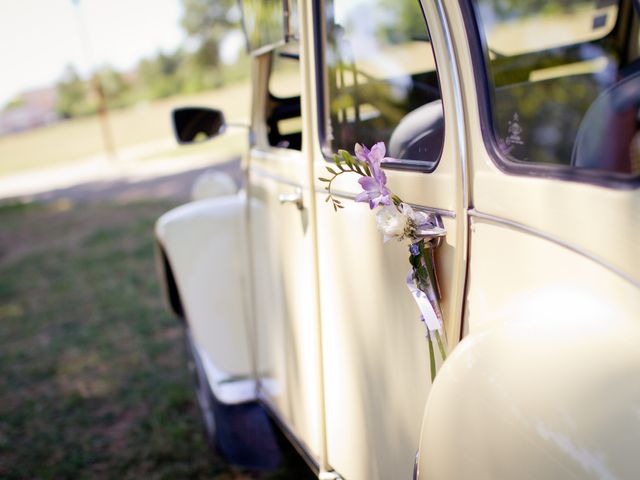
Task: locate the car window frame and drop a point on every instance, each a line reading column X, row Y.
column 477, row 44
column 321, row 92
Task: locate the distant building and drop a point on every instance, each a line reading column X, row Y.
column 37, row 108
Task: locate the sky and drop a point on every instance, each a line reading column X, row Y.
column 38, row 38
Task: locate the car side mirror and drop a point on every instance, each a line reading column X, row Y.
column 197, row 124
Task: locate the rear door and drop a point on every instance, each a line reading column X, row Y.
column 378, row 81
column 543, row 384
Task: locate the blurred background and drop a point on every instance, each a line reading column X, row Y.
column 93, row 370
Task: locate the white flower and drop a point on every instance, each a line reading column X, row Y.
column 417, row 218
column 392, row 222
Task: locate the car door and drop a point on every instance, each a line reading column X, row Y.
column 378, row 81
column 543, row 383
column 285, row 340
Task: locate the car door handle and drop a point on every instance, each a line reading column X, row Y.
column 431, row 231
column 295, row 198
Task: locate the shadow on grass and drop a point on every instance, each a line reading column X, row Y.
column 93, row 371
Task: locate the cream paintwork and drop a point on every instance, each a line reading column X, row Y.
column 282, row 240
column 543, row 383
column 375, row 355
column 565, row 210
column 192, row 237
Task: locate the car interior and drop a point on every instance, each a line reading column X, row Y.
column 573, row 104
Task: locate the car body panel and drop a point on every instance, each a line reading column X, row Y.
column 542, row 385
column 282, row 239
column 204, row 242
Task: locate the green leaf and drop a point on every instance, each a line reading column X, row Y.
column 366, row 169
column 348, row 159
column 322, row 179
column 338, row 163
column 422, row 272
column 328, row 198
column 332, row 171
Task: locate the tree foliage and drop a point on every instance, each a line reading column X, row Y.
column 73, row 95
column 208, row 22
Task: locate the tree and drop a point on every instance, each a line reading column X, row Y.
column 159, row 75
column 114, row 86
column 208, row 22
column 15, row 102
column 73, row 95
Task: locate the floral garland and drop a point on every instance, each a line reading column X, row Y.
column 397, row 219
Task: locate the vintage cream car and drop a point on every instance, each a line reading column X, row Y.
column 515, row 124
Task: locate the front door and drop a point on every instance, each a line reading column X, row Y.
column 286, row 340
column 380, row 84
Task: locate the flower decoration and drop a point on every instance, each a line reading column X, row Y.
column 398, row 220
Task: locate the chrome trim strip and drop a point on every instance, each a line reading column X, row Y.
column 341, row 194
column 299, row 446
column 272, row 176
column 568, row 245
column 351, row 196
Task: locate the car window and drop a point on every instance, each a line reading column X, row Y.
column 564, row 77
column 381, row 78
column 284, row 122
column 284, row 80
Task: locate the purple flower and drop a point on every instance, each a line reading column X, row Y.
column 375, row 187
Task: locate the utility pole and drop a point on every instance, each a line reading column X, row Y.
column 96, row 86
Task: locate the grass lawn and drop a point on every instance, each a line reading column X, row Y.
column 93, row 371
column 73, row 140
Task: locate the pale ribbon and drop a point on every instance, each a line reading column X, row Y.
column 429, row 315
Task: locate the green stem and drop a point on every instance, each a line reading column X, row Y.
column 336, row 175
column 432, row 357
column 443, row 353
column 428, row 263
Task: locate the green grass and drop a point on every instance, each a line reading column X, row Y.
column 73, row 140
column 93, row 375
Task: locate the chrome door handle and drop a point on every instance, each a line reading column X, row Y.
column 295, row 198
column 432, row 231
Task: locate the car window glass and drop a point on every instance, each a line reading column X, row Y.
column 565, row 82
column 284, row 80
column 284, row 122
column 382, row 81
